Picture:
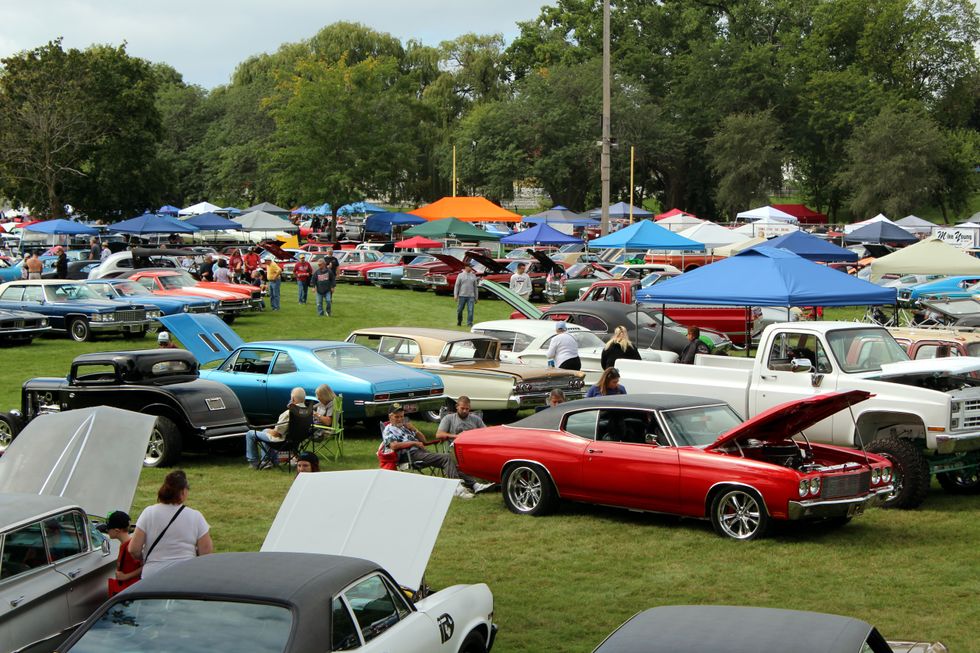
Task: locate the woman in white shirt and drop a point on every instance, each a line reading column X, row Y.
column 168, row 531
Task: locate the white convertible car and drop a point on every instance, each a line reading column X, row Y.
column 303, row 592
column 62, row 469
column 527, row 341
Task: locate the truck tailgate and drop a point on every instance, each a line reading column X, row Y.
column 728, row 383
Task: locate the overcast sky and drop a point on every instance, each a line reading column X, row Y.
column 205, row 40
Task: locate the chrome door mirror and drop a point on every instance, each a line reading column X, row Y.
column 800, row 365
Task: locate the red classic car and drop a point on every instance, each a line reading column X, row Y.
column 688, row 456
column 414, row 276
column 233, row 299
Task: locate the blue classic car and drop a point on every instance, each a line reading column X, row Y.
column 957, row 287
column 262, row 374
column 391, row 277
column 9, row 271
column 130, row 291
column 74, row 308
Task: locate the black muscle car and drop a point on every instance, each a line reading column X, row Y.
column 191, row 412
column 21, row 326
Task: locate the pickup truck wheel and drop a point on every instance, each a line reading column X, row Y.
column 910, row 472
column 473, row 643
column 528, row 490
column 79, row 331
column 9, row 427
column 740, row 514
column 963, row 481
column 164, row 446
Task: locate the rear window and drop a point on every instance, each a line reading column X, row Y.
column 188, row 626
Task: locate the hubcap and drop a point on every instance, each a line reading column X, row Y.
column 524, row 489
column 154, row 449
column 739, row 515
column 78, row 330
column 6, row 436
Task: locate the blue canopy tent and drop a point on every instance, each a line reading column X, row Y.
column 810, row 247
column 62, row 227
column 880, row 232
column 356, row 208
column 150, row 223
column 385, row 223
column 646, row 235
column 212, row 222
column 540, row 234
column 168, row 210
column 622, row 210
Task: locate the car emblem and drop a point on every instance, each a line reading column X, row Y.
column 215, row 403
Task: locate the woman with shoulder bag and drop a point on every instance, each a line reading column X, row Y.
column 169, row 531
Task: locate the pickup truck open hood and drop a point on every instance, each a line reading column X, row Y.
column 953, row 365
column 490, row 264
column 391, row 518
column 92, row 456
column 786, row 420
column 203, row 334
column 547, row 265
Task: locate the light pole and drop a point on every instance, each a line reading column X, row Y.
column 604, row 165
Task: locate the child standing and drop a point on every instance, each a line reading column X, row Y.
column 128, row 568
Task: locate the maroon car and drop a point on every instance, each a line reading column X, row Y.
column 414, row 276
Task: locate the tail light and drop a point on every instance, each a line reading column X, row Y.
column 436, row 391
column 382, row 397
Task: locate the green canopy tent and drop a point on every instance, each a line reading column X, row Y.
column 451, row 228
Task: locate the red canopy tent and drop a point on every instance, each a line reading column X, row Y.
column 671, row 213
column 803, row 213
column 418, row 242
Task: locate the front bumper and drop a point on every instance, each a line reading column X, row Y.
column 23, row 332
column 119, row 327
column 845, row 507
column 534, row 399
column 957, row 442
column 380, row 408
column 414, row 283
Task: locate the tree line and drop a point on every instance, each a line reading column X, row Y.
column 864, row 105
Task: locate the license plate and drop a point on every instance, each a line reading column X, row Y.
column 411, row 408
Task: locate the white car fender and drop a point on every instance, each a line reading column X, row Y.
column 457, row 610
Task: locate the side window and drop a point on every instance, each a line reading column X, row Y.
column 344, row 633
column 936, row 350
column 147, row 282
column 371, row 342
column 787, row 346
column 34, row 294
column 23, row 550
column 253, row 361
column 375, row 606
column 582, row 424
column 632, row 426
column 284, row 364
column 12, row 294
column 65, row 535
column 403, row 350
column 589, row 322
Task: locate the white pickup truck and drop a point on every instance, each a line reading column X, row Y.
column 925, row 414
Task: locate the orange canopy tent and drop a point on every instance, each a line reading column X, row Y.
column 469, row 209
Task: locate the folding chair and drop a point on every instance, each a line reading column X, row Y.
column 298, row 434
column 405, row 462
column 329, row 440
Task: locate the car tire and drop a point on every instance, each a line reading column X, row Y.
column 528, row 490
column 164, row 446
column 739, row 513
column 910, row 472
column 9, row 428
column 435, row 416
column 962, row 481
column 474, row 643
column 228, row 319
column 79, row 331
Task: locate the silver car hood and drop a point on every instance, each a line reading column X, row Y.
column 92, row 456
column 391, row 518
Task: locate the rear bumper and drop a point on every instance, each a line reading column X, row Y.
column 493, row 636
column 222, row 432
column 846, row 507
column 380, row 408
column 957, row 442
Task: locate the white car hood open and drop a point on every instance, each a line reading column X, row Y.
column 391, row 518
column 92, row 456
column 950, row 365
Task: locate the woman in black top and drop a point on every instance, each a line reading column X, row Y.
column 619, row 346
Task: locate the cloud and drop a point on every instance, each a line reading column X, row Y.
column 205, row 40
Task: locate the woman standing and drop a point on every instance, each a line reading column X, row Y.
column 619, row 346
column 169, row 531
column 608, row 384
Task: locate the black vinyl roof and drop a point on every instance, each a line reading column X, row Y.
column 699, row 628
column 551, row 417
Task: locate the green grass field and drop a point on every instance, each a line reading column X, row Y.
column 562, row 582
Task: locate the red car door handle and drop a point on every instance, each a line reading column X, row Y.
column 595, row 450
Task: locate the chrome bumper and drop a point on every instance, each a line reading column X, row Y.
column 414, row 283
column 847, row 507
column 534, row 399
column 121, row 326
column 954, row 443
column 380, row 408
column 20, row 332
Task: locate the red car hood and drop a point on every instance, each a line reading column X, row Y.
column 454, row 263
column 786, row 420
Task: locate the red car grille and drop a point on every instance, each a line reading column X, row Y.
column 845, row 485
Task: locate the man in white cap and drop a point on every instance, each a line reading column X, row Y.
column 164, row 341
column 563, row 350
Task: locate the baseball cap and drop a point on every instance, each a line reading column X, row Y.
column 117, row 519
column 561, row 326
column 163, row 337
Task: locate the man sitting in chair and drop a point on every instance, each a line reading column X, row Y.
column 401, row 436
column 297, row 397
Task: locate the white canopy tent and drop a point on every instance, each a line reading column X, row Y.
column 680, row 222
column 766, row 228
column 930, row 256
column 199, row 208
column 713, row 235
column 848, row 228
column 735, row 248
column 767, row 213
column 262, row 221
column 916, row 225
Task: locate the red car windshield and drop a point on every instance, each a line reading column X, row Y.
column 175, row 281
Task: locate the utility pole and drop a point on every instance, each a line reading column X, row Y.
column 604, row 165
